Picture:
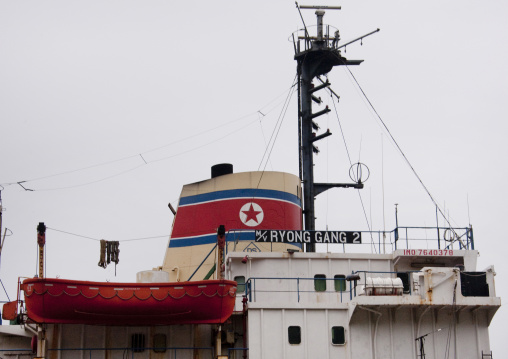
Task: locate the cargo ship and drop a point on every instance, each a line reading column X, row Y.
column 242, row 275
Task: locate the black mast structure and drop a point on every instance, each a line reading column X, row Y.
column 318, row 56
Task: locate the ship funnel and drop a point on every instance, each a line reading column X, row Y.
column 222, row 169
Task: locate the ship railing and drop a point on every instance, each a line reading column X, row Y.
column 233, row 353
column 337, row 289
column 16, row 352
column 178, row 352
column 410, row 237
column 298, row 288
column 405, row 237
column 302, row 40
column 445, row 237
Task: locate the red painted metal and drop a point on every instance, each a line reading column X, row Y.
column 10, row 310
column 81, row 302
column 198, row 219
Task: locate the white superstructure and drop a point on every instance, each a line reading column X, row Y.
column 308, row 293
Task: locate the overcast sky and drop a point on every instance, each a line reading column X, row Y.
column 108, row 107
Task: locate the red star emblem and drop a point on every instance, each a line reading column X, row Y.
column 251, row 214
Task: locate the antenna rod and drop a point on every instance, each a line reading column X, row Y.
column 359, row 38
column 320, row 7
column 301, row 17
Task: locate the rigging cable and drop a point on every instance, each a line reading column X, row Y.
column 205, row 144
column 276, row 131
column 277, row 127
column 145, row 162
column 89, row 183
column 9, row 299
column 263, row 132
column 351, row 164
column 397, row 145
column 452, row 325
column 98, row 240
column 129, row 157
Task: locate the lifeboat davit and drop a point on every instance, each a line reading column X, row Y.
column 81, row 302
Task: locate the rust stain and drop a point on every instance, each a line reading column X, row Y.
column 428, row 284
column 107, row 335
column 53, row 354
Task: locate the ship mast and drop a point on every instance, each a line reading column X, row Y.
column 318, row 56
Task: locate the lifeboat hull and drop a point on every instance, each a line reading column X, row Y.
column 99, row 303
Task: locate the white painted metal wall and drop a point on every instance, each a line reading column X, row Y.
column 393, row 338
column 85, row 337
column 376, row 327
column 268, row 333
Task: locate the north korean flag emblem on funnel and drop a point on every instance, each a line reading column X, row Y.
column 251, row 214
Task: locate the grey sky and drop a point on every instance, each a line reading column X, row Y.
column 84, row 83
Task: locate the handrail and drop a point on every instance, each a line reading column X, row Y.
column 251, row 290
column 133, row 350
column 250, row 287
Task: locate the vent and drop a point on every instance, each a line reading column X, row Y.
column 138, row 342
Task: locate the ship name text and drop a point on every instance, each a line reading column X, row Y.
column 331, row 237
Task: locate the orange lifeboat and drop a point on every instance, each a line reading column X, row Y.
column 82, row 302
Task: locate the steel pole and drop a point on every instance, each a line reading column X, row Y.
column 307, row 155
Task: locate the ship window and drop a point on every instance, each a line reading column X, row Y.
column 338, row 336
column 240, row 280
column 294, row 335
column 320, row 283
column 474, row 284
column 159, row 343
column 138, row 342
column 339, row 281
